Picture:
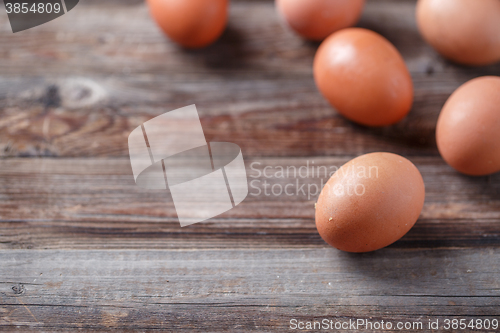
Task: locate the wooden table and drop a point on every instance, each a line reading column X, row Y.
column 82, row 247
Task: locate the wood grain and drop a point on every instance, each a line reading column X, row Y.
column 83, row 248
column 242, row 290
column 78, row 85
column 94, row 203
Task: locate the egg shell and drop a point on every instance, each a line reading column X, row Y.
column 468, row 127
column 190, row 23
column 317, row 19
column 364, row 77
column 370, row 202
column 464, row 31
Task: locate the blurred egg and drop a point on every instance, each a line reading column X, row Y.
column 317, row 19
column 464, row 31
column 190, row 23
column 364, row 77
column 468, row 128
column 370, row 202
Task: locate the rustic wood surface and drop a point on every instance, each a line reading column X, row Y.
column 82, row 247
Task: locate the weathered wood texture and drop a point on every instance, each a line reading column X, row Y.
column 243, row 290
column 81, row 247
column 78, row 85
column 94, row 203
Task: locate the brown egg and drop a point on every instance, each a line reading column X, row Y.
column 468, row 128
column 190, row 23
column 370, row 202
column 364, row 77
column 464, row 31
column 317, row 19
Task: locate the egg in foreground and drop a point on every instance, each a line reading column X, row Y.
column 370, row 202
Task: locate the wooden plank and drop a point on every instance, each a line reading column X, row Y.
column 81, row 247
column 242, row 290
column 94, row 203
column 78, row 85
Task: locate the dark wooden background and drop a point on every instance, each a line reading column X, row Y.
column 81, row 247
